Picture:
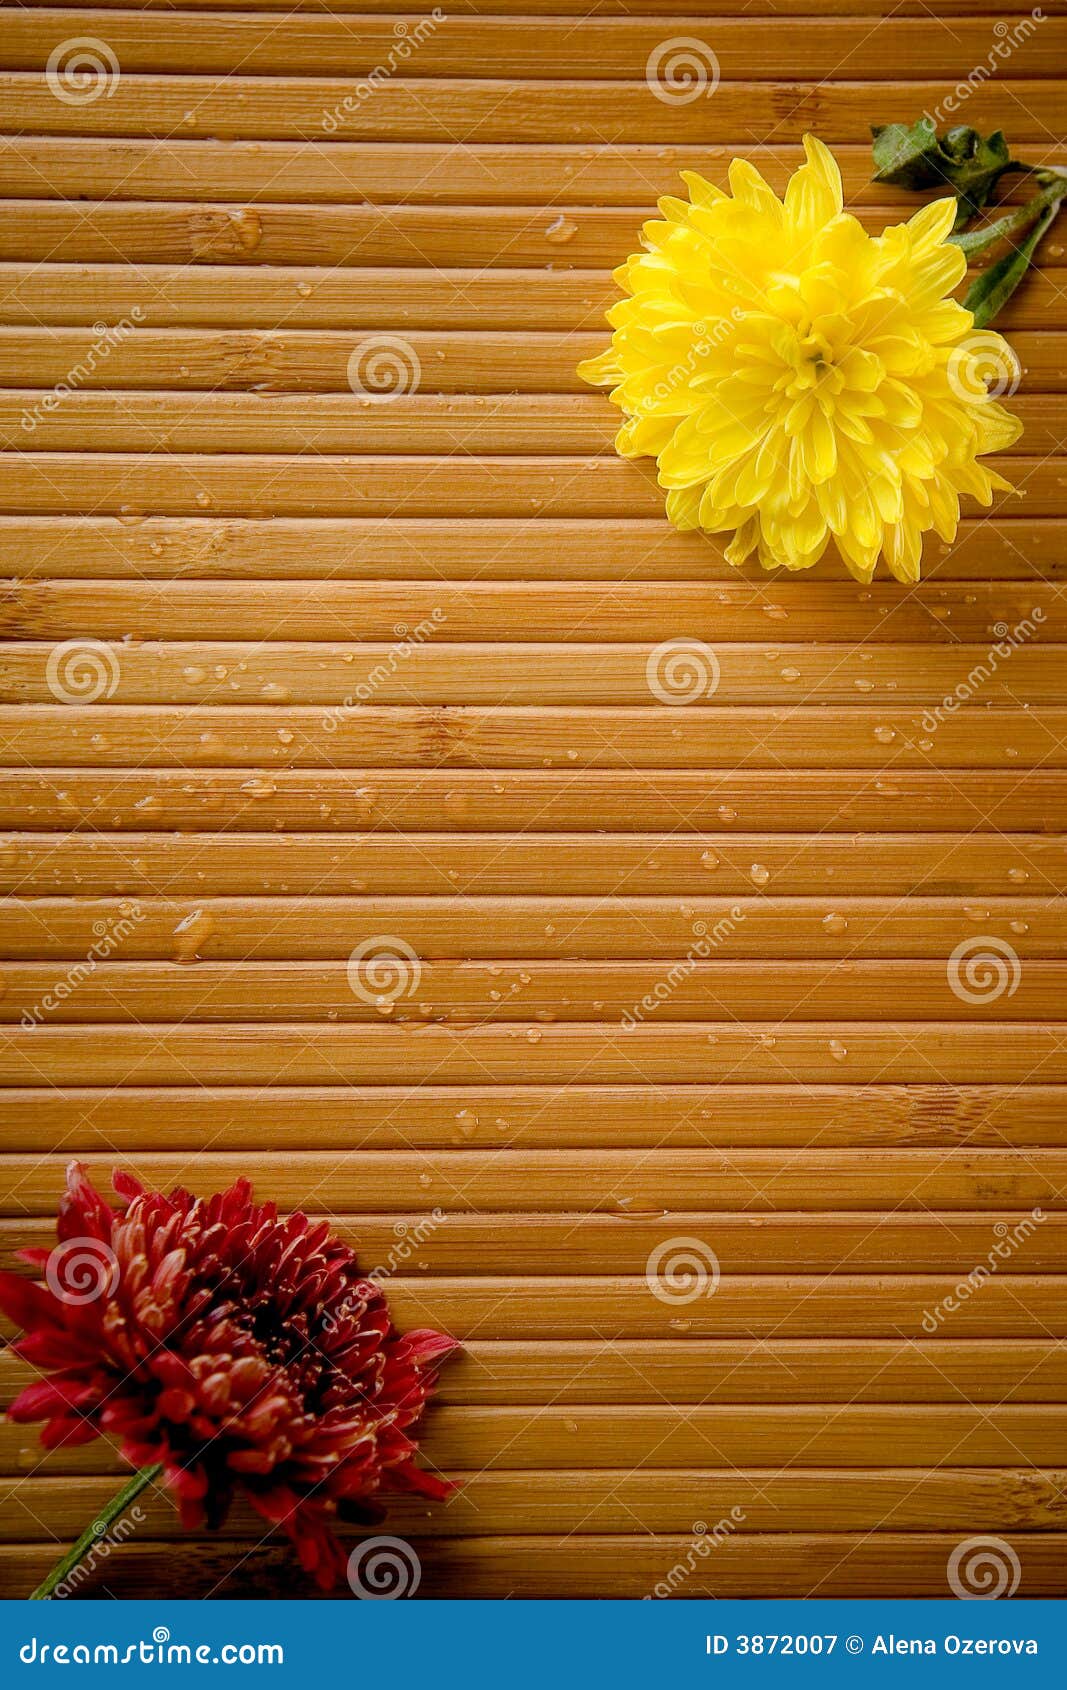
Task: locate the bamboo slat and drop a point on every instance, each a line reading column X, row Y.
column 209, row 233
column 190, row 1115
column 407, row 619
column 743, row 1244
column 695, row 1370
column 580, row 1181
column 321, row 361
column 331, row 423
column 325, row 171
column 613, row 48
column 255, row 484
column 628, row 865
column 534, row 8
column 136, row 545
column 771, row 800
column 578, row 110
column 959, row 1499
column 343, row 676
column 316, row 927
column 751, row 1436
column 637, row 1567
column 462, row 992
column 800, row 1565
column 580, row 1053
column 231, row 296
column 500, row 737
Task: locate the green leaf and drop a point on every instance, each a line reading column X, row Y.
column 969, row 164
column 994, row 287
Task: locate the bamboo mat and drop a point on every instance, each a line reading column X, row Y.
column 676, row 978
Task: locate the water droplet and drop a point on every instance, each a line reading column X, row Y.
column 759, row 874
column 838, row 1050
column 466, row 1121
column 726, row 814
column 248, row 227
column 885, row 735
column 561, row 230
column 191, row 933
column 834, row 923
column 1018, row 875
column 194, row 674
column 789, row 673
column 709, row 860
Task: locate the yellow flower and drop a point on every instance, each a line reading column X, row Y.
column 800, row 380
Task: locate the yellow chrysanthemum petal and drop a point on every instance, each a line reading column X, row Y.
column 798, row 379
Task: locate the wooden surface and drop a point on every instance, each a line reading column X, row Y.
column 250, row 541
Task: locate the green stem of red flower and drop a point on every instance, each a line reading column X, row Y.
column 96, row 1531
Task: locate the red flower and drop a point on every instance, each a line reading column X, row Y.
column 242, row 1351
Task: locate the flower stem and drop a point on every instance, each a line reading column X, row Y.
column 1015, row 223
column 96, row 1531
